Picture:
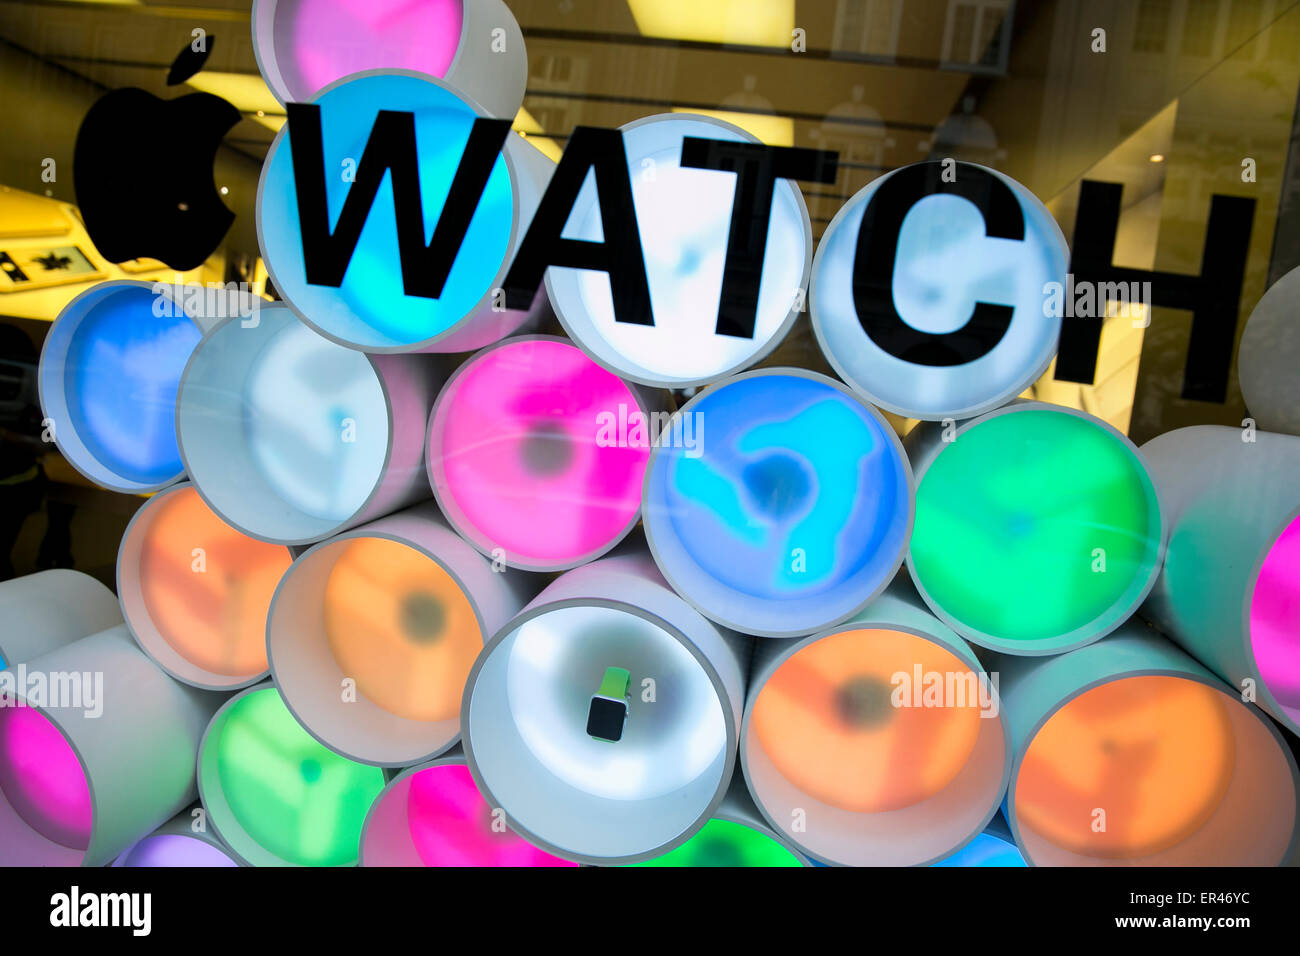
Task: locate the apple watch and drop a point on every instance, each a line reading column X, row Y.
column 608, row 711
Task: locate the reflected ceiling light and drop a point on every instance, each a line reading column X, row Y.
column 751, row 22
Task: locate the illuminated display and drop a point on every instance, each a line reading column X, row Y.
column 684, row 220
column 288, row 436
column 793, row 510
column 108, row 378
column 274, row 794
column 313, row 43
column 928, row 292
column 828, row 721
column 368, row 306
column 400, row 626
column 173, row 849
column 436, row 817
column 1155, row 751
column 1037, row 530
column 42, row 778
column 727, row 843
column 985, row 850
column 525, row 454
column 196, row 591
column 1275, row 620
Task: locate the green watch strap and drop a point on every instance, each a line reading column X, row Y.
column 615, row 683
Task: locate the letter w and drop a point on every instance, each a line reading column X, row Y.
column 391, row 146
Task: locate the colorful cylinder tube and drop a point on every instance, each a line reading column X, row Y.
column 302, row 46
column 932, row 293
column 97, row 749
column 195, row 592
column 45, row 610
column 602, row 720
column 290, row 438
column 274, row 794
column 778, row 503
column 372, row 635
column 537, row 455
column 988, row 849
column 684, row 220
column 1128, row 752
column 1230, row 589
column 180, row 842
column 108, row 378
column 368, row 307
column 434, row 815
column 1038, row 529
column 1268, row 355
column 736, row 836
column 878, row 742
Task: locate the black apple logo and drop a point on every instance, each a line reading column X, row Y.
column 142, row 169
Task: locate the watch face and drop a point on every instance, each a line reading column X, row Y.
column 606, row 718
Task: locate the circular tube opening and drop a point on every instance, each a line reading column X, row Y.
column 537, row 451
column 728, row 843
column 945, row 261
column 390, row 625
column 985, row 850
column 778, row 503
column 1156, row 770
column 585, row 798
column 876, row 747
column 286, row 435
column 370, row 309
column 108, row 378
column 196, row 592
column 174, row 849
column 46, row 807
column 1038, row 530
column 435, row 816
column 684, row 218
column 274, row 794
column 1273, row 620
column 305, row 45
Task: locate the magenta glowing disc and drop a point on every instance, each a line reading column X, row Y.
column 536, row 454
